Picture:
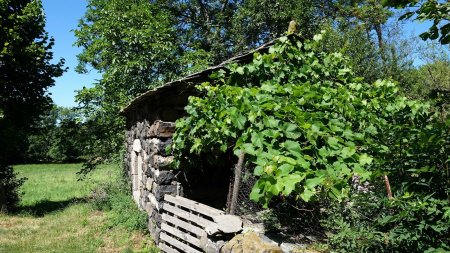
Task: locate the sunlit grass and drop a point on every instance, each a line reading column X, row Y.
column 55, row 214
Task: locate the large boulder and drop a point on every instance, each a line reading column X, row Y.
column 250, row 242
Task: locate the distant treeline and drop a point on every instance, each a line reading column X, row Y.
column 61, row 135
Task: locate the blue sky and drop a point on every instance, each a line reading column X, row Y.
column 62, row 17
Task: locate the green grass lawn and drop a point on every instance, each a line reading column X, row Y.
column 56, row 214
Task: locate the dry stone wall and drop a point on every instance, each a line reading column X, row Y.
column 149, row 167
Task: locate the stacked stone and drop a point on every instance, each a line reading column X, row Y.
column 134, row 158
column 150, row 168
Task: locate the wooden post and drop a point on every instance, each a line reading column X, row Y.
column 237, row 183
column 388, row 186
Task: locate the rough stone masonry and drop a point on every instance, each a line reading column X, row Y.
column 149, row 168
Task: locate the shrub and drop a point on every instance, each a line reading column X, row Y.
column 371, row 223
column 9, row 188
column 115, row 197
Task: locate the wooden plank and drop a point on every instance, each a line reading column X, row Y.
column 193, row 205
column 182, row 235
column 189, row 227
column 167, row 249
column 189, row 216
column 172, row 241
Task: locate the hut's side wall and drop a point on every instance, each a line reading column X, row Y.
column 149, row 132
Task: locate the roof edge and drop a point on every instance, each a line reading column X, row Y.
column 168, row 85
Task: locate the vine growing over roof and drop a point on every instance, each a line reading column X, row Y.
column 308, row 125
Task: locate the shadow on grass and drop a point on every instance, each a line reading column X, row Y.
column 44, row 207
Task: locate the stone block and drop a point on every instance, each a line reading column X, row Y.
column 162, row 162
column 154, row 230
column 149, row 184
column 148, row 207
column 141, row 203
column 154, row 145
column 145, row 194
column 137, row 145
column 152, row 199
column 164, row 177
column 156, row 217
column 135, row 182
column 140, row 167
column 136, row 196
column 144, row 179
column 151, row 172
column 251, row 242
column 159, row 146
column 180, row 191
column 135, row 132
column 160, row 190
column 161, row 129
column 133, row 163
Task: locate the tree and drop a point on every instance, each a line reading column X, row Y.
column 25, row 69
column 225, row 28
column 131, row 44
column 138, row 45
column 61, row 136
column 437, row 11
column 25, row 74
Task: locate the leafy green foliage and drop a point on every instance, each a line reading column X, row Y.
column 308, row 126
column 115, row 197
column 371, row 223
column 430, row 77
column 60, row 136
column 133, row 45
column 65, row 217
column 225, row 28
column 289, row 110
column 422, row 10
column 25, row 72
column 138, row 45
column 9, row 188
column 263, row 20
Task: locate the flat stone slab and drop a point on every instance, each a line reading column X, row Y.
column 161, row 129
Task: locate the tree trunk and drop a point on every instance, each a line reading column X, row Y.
column 2, row 198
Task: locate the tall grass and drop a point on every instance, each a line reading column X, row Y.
column 57, row 213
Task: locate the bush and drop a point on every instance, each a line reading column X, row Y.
column 370, row 223
column 9, row 188
column 115, row 198
column 351, row 224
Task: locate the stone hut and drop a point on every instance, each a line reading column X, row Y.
column 149, row 127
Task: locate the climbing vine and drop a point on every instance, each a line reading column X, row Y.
column 307, row 125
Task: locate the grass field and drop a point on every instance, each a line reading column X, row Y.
column 56, row 214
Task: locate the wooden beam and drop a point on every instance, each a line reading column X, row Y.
column 181, row 235
column 189, row 216
column 193, row 205
column 187, row 226
column 176, row 243
column 237, row 182
column 167, row 249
